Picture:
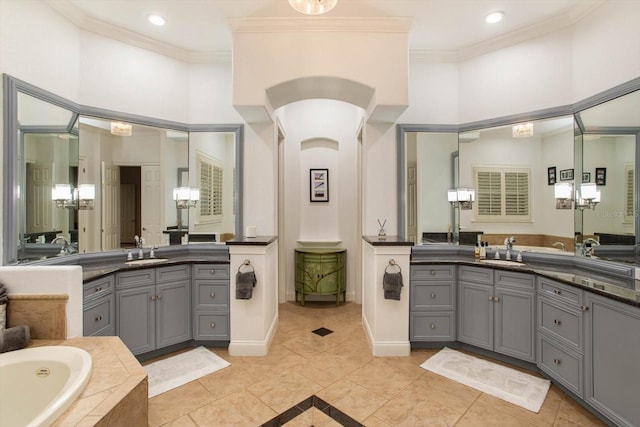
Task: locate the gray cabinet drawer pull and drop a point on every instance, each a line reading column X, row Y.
column 433, row 294
column 212, row 294
column 212, row 271
column 213, row 325
column 98, row 318
column 433, row 272
column 99, row 288
column 557, row 291
column 557, row 361
column 433, row 326
column 557, row 322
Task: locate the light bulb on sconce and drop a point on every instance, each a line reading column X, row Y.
column 186, row 197
column 563, row 192
column 462, row 198
column 588, row 196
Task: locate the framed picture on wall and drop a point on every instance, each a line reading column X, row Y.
column 586, row 177
column 601, row 176
column 319, row 185
column 551, row 175
column 566, row 175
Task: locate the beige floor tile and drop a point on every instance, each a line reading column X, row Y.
column 237, row 410
column 312, row 417
column 386, row 376
column 184, row 421
column 374, row 421
column 412, row 409
column 281, row 393
column 545, row 417
column 483, row 415
column 175, row 403
column 352, row 399
column 456, row 396
column 572, row 414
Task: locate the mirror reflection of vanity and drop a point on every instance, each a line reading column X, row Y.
column 600, row 144
column 50, row 140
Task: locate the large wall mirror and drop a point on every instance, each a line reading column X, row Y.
column 607, row 151
column 134, row 170
column 514, row 172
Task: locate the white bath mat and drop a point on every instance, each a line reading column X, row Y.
column 500, row 381
column 174, row 371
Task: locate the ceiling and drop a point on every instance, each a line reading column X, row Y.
column 445, row 27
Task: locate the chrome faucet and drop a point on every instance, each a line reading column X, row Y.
column 586, row 249
column 508, row 242
column 67, row 248
column 560, row 245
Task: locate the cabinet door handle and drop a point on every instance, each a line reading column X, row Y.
column 584, row 308
column 212, row 271
column 433, row 272
column 212, row 294
column 98, row 318
column 213, row 325
column 557, row 361
column 557, row 291
column 490, row 298
column 496, row 299
column 159, row 296
column 557, row 322
column 99, row 288
column 154, row 297
column 433, row 326
column 433, row 294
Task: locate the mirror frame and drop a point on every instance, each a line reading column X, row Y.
column 11, row 148
column 567, row 110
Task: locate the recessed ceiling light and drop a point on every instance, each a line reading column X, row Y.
column 157, row 20
column 494, row 17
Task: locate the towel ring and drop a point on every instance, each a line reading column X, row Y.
column 246, row 263
column 392, row 264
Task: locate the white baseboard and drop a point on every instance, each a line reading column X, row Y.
column 254, row 348
column 385, row 348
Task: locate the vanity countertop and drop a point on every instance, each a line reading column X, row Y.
column 571, row 276
column 96, row 271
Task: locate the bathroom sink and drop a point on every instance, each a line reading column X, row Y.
column 147, row 261
column 502, row 262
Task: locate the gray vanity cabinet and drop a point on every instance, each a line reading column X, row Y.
column 612, row 354
column 211, row 302
column 432, row 300
column 496, row 311
column 98, row 307
column 153, row 307
column 560, row 347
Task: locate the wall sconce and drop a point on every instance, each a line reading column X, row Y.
column 563, row 192
column 523, row 130
column 588, row 197
column 462, row 198
column 67, row 197
column 186, row 197
column 86, row 196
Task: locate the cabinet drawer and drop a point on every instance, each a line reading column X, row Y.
column 211, row 295
column 128, row 279
column 561, row 321
column 432, row 296
column 478, row 275
column 211, row 326
column 97, row 288
column 172, row 273
column 98, row 316
column 516, row 280
column 562, row 364
column 559, row 291
column 432, row 326
column 433, row 272
column 211, row 271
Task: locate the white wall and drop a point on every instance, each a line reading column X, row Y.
column 320, row 134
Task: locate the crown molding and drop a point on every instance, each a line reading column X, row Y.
column 318, row 23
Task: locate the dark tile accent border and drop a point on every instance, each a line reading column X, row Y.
column 322, row 331
column 308, row 403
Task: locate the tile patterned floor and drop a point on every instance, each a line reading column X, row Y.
column 340, row 371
